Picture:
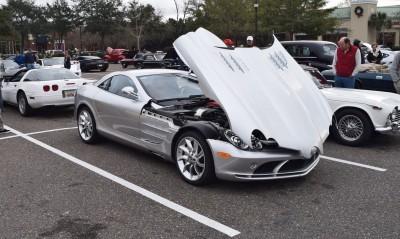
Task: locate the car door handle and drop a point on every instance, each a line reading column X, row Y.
column 379, row 77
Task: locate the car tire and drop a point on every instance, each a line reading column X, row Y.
column 84, row 69
column 23, row 106
column 352, row 127
column 139, row 66
column 163, row 66
column 103, row 69
column 87, row 126
column 124, row 65
column 195, row 171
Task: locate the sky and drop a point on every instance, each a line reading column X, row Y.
column 167, row 7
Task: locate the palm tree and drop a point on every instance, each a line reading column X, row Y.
column 379, row 21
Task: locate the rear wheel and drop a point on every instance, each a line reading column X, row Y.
column 194, row 159
column 124, row 65
column 139, row 66
column 163, row 66
column 87, row 126
column 352, row 128
column 23, row 105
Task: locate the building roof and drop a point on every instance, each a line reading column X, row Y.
column 345, row 12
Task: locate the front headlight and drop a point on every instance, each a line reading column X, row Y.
column 394, row 113
column 235, row 140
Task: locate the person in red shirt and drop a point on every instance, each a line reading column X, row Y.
column 346, row 62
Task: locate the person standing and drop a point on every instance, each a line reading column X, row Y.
column 374, row 56
column 229, row 43
column 395, row 72
column 346, row 62
column 357, row 43
column 249, row 41
column 19, row 58
column 2, row 70
column 67, row 60
column 30, row 60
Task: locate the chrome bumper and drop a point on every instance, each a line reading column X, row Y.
column 393, row 128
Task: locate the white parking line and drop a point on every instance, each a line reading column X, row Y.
column 39, row 132
column 353, row 163
column 176, row 207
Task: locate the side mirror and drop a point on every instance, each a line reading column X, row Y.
column 128, row 90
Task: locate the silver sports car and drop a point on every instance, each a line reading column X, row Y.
column 205, row 130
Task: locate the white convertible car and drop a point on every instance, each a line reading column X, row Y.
column 58, row 62
column 358, row 113
column 31, row 89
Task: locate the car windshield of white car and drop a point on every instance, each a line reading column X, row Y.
column 51, row 74
column 164, row 87
column 53, row 61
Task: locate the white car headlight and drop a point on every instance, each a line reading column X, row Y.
column 394, row 113
column 235, row 140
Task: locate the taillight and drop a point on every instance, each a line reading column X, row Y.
column 54, row 87
column 46, row 88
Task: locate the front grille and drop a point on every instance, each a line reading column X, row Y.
column 283, row 168
column 397, row 119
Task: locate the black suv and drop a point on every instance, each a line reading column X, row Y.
column 318, row 54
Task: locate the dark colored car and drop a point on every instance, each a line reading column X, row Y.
column 151, row 61
column 175, row 60
column 129, row 60
column 92, row 63
column 147, row 60
column 367, row 80
column 318, row 54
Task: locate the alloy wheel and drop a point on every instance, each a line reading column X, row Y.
column 190, row 158
column 85, row 125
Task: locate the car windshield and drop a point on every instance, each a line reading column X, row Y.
column 53, row 61
column 170, row 86
column 51, row 74
column 329, row 48
column 10, row 64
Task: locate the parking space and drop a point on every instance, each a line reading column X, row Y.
column 54, row 186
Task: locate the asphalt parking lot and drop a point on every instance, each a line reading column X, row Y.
column 52, row 185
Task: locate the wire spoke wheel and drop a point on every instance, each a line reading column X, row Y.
column 350, row 127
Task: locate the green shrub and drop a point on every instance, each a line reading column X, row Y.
column 58, row 55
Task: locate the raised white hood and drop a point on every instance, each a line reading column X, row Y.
column 259, row 89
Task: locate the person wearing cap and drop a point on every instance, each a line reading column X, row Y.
column 249, row 41
column 359, row 44
column 229, row 43
column 346, row 62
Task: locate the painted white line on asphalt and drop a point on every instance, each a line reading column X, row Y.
column 176, row 207
column 353, row 163
column 39, row 132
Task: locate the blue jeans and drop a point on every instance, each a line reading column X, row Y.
column 30, row 65
column 345, row 81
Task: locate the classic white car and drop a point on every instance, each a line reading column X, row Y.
column 31, row 89
column 58, row 62
column 358, row 113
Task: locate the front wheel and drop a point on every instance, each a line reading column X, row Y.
column 87, row 126
column 23, row 105
column 124, row 65
column 139, row 66
column 193, row 159
column 103, row 69
column 352, row 127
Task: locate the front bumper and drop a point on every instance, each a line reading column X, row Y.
column 259, row 165
column 393, row 128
